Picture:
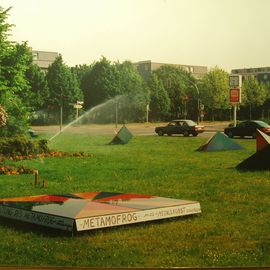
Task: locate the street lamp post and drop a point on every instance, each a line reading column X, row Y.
column 198, row 100
column 185, row 99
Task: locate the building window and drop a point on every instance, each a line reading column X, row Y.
column 265, row 77
column 35, row 55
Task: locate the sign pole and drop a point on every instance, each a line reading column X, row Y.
column 235, row 83
column 234, row 114
column 77, row 113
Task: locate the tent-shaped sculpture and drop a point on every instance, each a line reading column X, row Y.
column 93, row 210
column 262, row 140
column 123, row 136
column 219, row 142
column 261, row 159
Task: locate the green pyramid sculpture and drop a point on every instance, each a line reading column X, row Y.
column 122, row 137
column 220, row 142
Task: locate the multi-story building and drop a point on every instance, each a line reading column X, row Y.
column 43, row 59
column 145, row 68
column 262, row 74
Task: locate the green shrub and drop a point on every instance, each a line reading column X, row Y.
column 21, row 145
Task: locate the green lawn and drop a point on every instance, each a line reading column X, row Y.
column 233, row 229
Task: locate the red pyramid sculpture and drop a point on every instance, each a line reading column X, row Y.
column 260, row 160
column 262, row 140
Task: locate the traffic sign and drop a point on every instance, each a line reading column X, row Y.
column 235, row 95
column 235, row 81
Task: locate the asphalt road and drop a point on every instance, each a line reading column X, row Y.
column 139, row 129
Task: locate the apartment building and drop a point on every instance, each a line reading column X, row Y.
column 262, row 74
column 43, row 58
column 145, row 68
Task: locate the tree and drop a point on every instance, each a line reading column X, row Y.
column 63, row 87
column 14, row 61
column 79, row 72
column 39, row 92
column 178, row 83
column 253, row 94
column 99, row 83
column 119, row 83
column 214, row 90
column 159, row 99
column 135, row 91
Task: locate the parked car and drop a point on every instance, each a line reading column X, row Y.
column 247, row 128
column 185, row 127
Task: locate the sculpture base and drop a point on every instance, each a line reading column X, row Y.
column 94, row 210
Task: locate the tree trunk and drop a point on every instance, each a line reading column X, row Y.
column 249, row 111
column 213, row 118
column 262, row 114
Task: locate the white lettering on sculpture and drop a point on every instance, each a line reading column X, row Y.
column 111, row 220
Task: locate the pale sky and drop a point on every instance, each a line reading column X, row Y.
column 227, row 33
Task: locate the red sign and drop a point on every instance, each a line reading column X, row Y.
column 235, row 95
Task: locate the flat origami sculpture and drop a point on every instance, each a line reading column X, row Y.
column 219, row 142
column 260, row 160
column 93, row 210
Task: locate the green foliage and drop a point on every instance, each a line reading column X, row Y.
column 133, row 87
column 39, row 92
column 214, row 90
column 4, row 30
column 14, row 61
column 177, row 83
column 21, row 145
column 63, row 87
column 100, row 83
column 79, row 71
column 18, row 116
column 104, row 81
column 253, row 92
column 160, row 102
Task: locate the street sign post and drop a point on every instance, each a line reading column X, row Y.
column 235, row 83
column 235, row 95
column 77, row 106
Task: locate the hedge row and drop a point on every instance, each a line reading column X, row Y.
column 21, row 145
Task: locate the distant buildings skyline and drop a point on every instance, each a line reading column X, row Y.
column 45, row 58
column 262, row 74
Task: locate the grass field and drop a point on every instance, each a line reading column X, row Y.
column 233, row 229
